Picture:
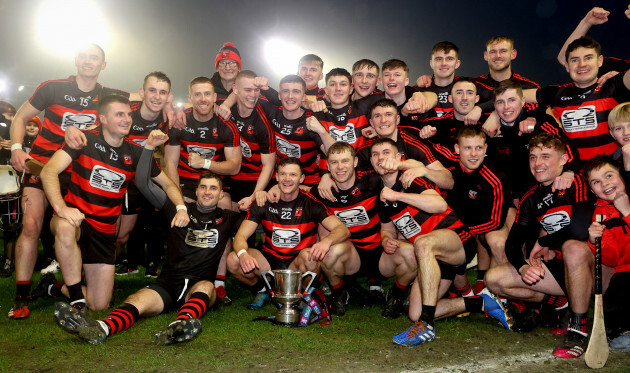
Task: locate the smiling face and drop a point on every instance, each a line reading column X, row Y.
column 394, row 81
column 471, row 150
column 246, row 93
column 606, row 182
column 546, row 163
column 583, row 66
column 89, row 61
column 338, row 90
column 202, row 98
column 365, row 80
column 341, row 166
column 463, row 97
column 289, row 178
column 228, row 69
column 381, row 152
column 444, row 64
column 292, row 96
column 621, row 133
column 117, row 119
column 499, row 55
column 32, row 129
column 311, row 72
column 508, row 105
column 208, row 193
column 385, row 120
column 154, row 94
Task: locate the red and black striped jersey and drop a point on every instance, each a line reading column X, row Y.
column 289, row 226
column 613, row 64
column 316, row 91
column 141, row 128
column 257, row 137
column 344, row 124
column 100, row 176
column 412, row 222
column 293, row 139
column 409, row 145
column 540, row 208
column 357, row 208
column 194, row 251
column 208, row 139
column 65, row 105
column 480, row 198
column 583, row 113
column 486, row 85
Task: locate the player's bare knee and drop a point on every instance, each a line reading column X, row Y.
column 576, row 254
column 423, row 246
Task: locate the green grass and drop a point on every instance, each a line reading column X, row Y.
column 232, row 342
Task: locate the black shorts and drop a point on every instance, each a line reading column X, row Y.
column 275, row 262
column 96, row 247
column 369, row 262
column 173, row 290
column 34, row 181
column 133, row 201
column 240, row 189
column 556, row 267
column 470, row 248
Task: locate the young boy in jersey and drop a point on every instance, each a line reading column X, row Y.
column 439, row 242
column 310, row 68
column 612, row 202
column 194, row 252
column 365, row 79
column 85, row 222
column 556, row 254
column 290, row 227
column 619, row 127
column 444, row 61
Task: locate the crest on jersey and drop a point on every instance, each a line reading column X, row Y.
column 407, row 226
column 205, row 153
column 81, row 121
column 581, row 119
column 472, row 194
column 286, row 148
column 204, row 238
column 106, row 179
column 356, row 191
column 250, row 130
column 245, row 149
column 282, row 237
column 127, row 159
column 346, row 135
column 298, row 211
column 353, row 217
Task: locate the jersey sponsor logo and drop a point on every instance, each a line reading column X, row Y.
column 555, row 221
column 282, row 237
column 69, row 98
column 582, row 119
column 81, row 121
column 345, row 135
column 100, row 147
column 245, row 149
column 288, row 149
column 353, row 217
column 205, row 153
column 106, row 179
column 472, row 194
column 202, row 238
column 407, row 225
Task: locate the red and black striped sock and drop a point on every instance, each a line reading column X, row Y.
column 195, row 307
column 558, row 302
column 578, row 323
column 122, row 318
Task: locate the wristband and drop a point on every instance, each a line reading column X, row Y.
column 238, row 255
column 181, row 207
column 207, row 163
column 16, row 146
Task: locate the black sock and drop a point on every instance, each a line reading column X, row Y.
column 481, row 273
column 23, row 289
column 428, row 314
column 399, row 291
column 578, row 323
column 77, row 299
column 473, row 304
column 336, row 289
column 55, row 290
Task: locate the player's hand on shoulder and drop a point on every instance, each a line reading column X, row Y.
column 427, row 132
column 245, row 202
column 223, row 111
column 179, row 120
column 368, row 132
column 261, row 82
column 602, row 79
column 325, row 187
column 411, row 174
column 472, row 118
column 75, row 138
column 388, row 194
column 317, row 106
column 563, row 182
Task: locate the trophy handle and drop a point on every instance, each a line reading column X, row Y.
column 264, row 277
column 313, row 276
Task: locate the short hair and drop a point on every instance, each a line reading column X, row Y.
column 92, row 45
column 338, row 71
column 285, row 161
column 292, row 78
column 500, row 38
column 620, row 114
column 245, row 74
column 583, row 42
column 508, row 84
column 548, row 140
column 384, row 140
column 464, row 80
column 159, row 76
column 105, row 102
column 385, row 103
column 210, row 175
column 596, row 163
column 365, row 63
column 446, row 47
column 200, row 80
column 471, row 131
column 395, row 64
column 340, row 147
column 6, row 107
column 312, row 58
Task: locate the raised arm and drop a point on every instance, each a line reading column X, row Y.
column 595, row 16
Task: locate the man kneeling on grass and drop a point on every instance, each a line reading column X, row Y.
column 186, row 280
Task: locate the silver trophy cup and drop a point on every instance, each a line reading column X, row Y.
column 287, row 291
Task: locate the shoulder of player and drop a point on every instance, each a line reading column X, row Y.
column 521, row 79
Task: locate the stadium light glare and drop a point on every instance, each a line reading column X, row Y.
column 21, row 88
column 282, row 56
column 65, row 25
column 3, row 85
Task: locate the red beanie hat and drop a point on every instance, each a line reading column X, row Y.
column 228, row 52
column 37, row 121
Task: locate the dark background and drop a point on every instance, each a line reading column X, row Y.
column 182, row 38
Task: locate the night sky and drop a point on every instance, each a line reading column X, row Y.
column 182, row 38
